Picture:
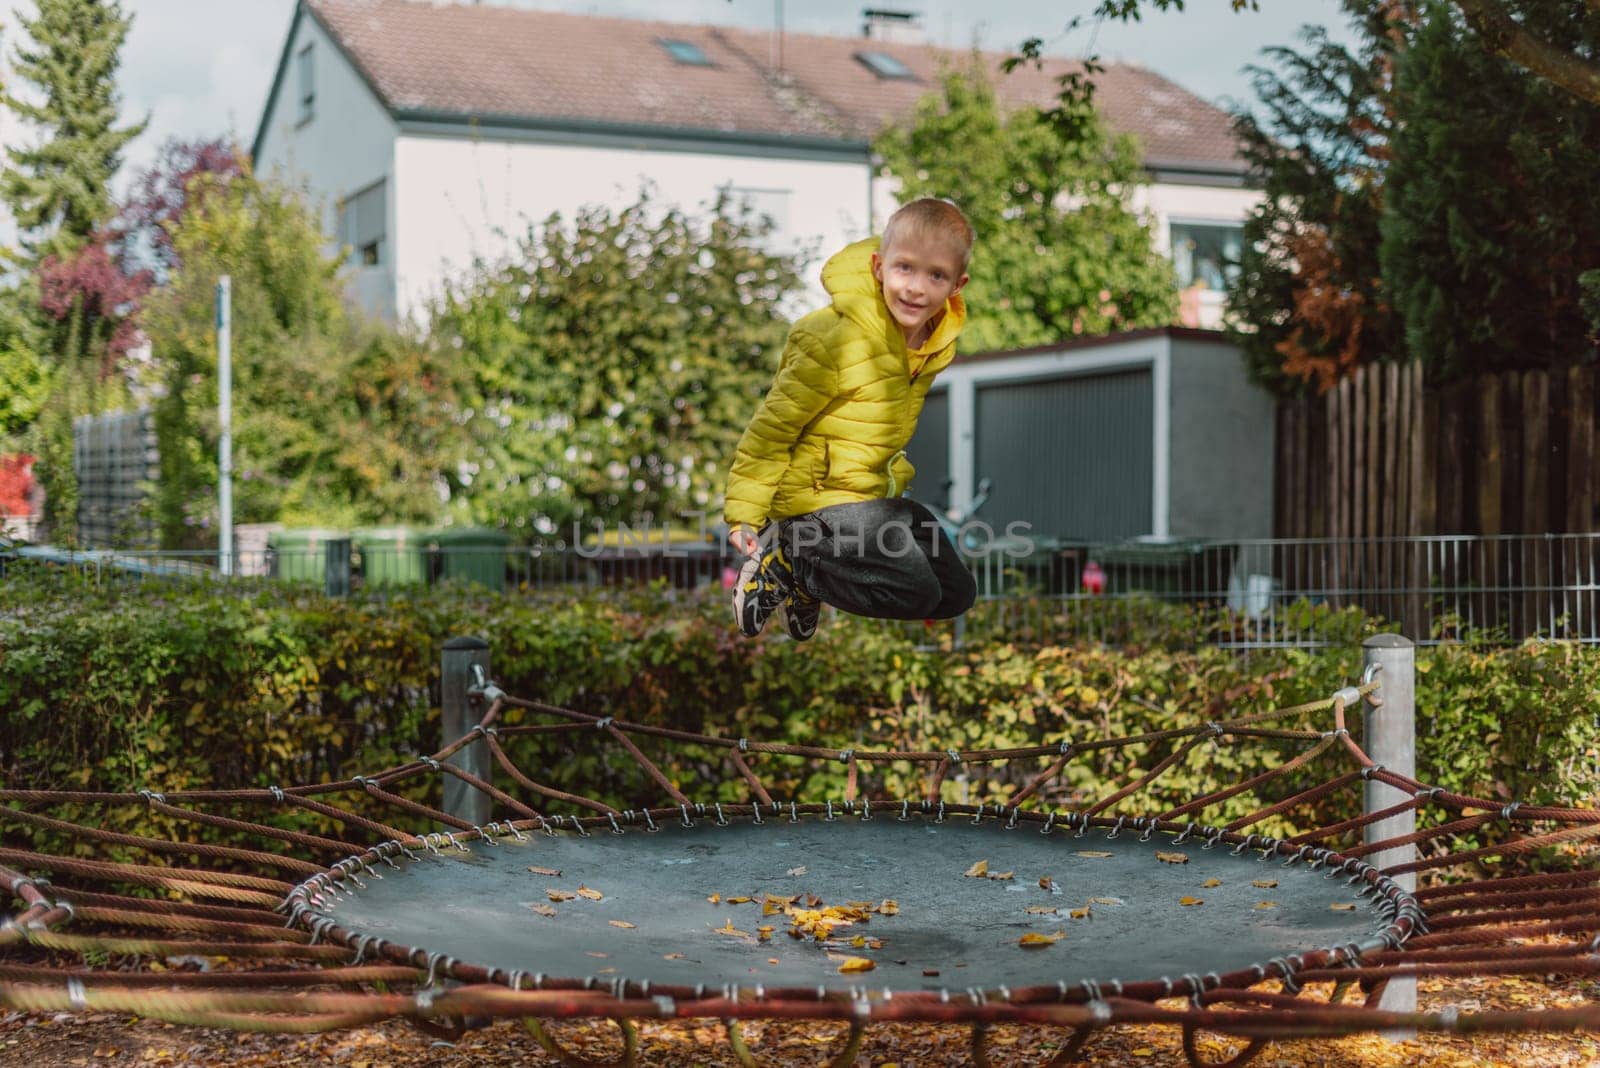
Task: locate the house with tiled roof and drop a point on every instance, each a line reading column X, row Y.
column 436, row 133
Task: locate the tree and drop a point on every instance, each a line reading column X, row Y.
column 1511, row 29
column 337, row 420
column 614, row 362
column 1492, row 215
column 1308, row 304
column 1060, row 250
column 59, row 190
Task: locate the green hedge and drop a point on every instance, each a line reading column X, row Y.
column 112, row 685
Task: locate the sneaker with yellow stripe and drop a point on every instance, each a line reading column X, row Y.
column 765, row 582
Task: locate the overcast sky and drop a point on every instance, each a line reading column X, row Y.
column 202, row 68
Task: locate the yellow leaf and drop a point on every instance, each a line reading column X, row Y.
column 857, row 964
column 1079, row 914
column 1105, row 901
column 1143, row 1051
column 1172, row 858
column 1211, row 883
column 559, row 895
column 740, row 900
column 1266, row 904
column 978, row 870
column 859, row 941
column 889, row 907
column 1092, row 853
column 1191, row 901
column 1001, row 876
column 546, row 871
column 1035, row 940
column 593, row 953
column 544, row 910
column 1342, row 906
column 1264, row 884
column 714, row 898
column 624, row 924
column 772, row 960
column 592, row 895
column 1040, row 910
column 729, row 929
column 672, row 956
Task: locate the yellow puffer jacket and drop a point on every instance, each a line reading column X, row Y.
column 834, row 426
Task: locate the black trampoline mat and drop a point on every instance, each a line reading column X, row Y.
column 477, row 907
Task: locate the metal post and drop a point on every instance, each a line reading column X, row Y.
column 460, row 714
column 225, row 423
column 336, row 561
column 1391, row 740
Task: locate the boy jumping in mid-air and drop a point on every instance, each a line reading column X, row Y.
column 813, row 496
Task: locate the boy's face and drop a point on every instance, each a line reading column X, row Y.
column 917, row 275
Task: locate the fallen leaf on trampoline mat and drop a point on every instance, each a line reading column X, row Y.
column 559, row 895
column 546, row 871
column 1266, row 904
column 624, row 924
column 1212, row 883
column 930, row 971
column 1105, row 901
column 1040, row 910
column 1079, row 914
column 1035, row 940
column 978, row 870
column 605, row 971
column 772, row 960
column 1001, row 876
column 543, row 910
column 672, row 956
column 1342, row 906
column 801, row 870
column 765, row 933
column 1172, row 858
column 715, row 899
column 1092, row 853
column 889, row 907
column 592, row 895
column 740, row 900
column 1191, row 901
column 858, row 964
column 812, row 901
column 596, row 953
column 1045, row 882
column 729, row 929
column 1264, row 884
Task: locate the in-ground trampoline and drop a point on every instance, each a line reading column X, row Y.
column 859, row 909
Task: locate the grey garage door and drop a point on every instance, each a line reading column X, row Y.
column 929, row 451
column 1071, row 456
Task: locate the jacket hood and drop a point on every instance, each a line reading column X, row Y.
column 856, row 294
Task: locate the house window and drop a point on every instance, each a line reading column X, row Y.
column 1207, row 254
column 885, row 66
column 769, row 204
column 306, row 68
column 363, row 224
column 686, row 52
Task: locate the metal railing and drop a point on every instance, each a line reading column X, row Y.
column 1248, row 594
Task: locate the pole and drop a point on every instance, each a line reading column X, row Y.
column 1391, row 740
column 460, row 713
column 225, row 422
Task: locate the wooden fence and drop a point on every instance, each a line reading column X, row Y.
column 1383, row 457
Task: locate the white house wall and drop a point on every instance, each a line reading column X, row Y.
column 463, row 199
column 345, row 147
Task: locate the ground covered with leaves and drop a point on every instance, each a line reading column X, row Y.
column 105, row 1041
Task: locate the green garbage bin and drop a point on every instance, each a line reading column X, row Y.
column 300, row 555
column 391, row 556
column 1171, row 570
column 472, row 554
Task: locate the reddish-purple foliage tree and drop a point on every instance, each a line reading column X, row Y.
column 93, row 285
column 161, row 195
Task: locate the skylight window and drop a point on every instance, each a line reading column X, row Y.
column 685, row 52
column 885, row 66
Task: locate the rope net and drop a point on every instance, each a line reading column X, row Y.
column 1479, row 889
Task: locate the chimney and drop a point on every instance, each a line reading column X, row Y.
column 892, row 26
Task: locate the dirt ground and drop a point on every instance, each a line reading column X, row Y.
column 108, row 1041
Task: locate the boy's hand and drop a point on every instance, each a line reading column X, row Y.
column 744, row 541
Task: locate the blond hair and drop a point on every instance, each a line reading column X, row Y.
column 934, row 219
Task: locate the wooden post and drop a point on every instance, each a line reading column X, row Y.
column 460, row 713
column 1389, row 734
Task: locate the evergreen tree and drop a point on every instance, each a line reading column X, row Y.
column 1492, row 213
column 59, row 190
column 1308, row 304
column 1060, row 249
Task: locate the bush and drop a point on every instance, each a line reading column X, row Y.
column 112, row 685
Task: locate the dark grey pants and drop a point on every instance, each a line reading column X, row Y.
column 885, row 558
